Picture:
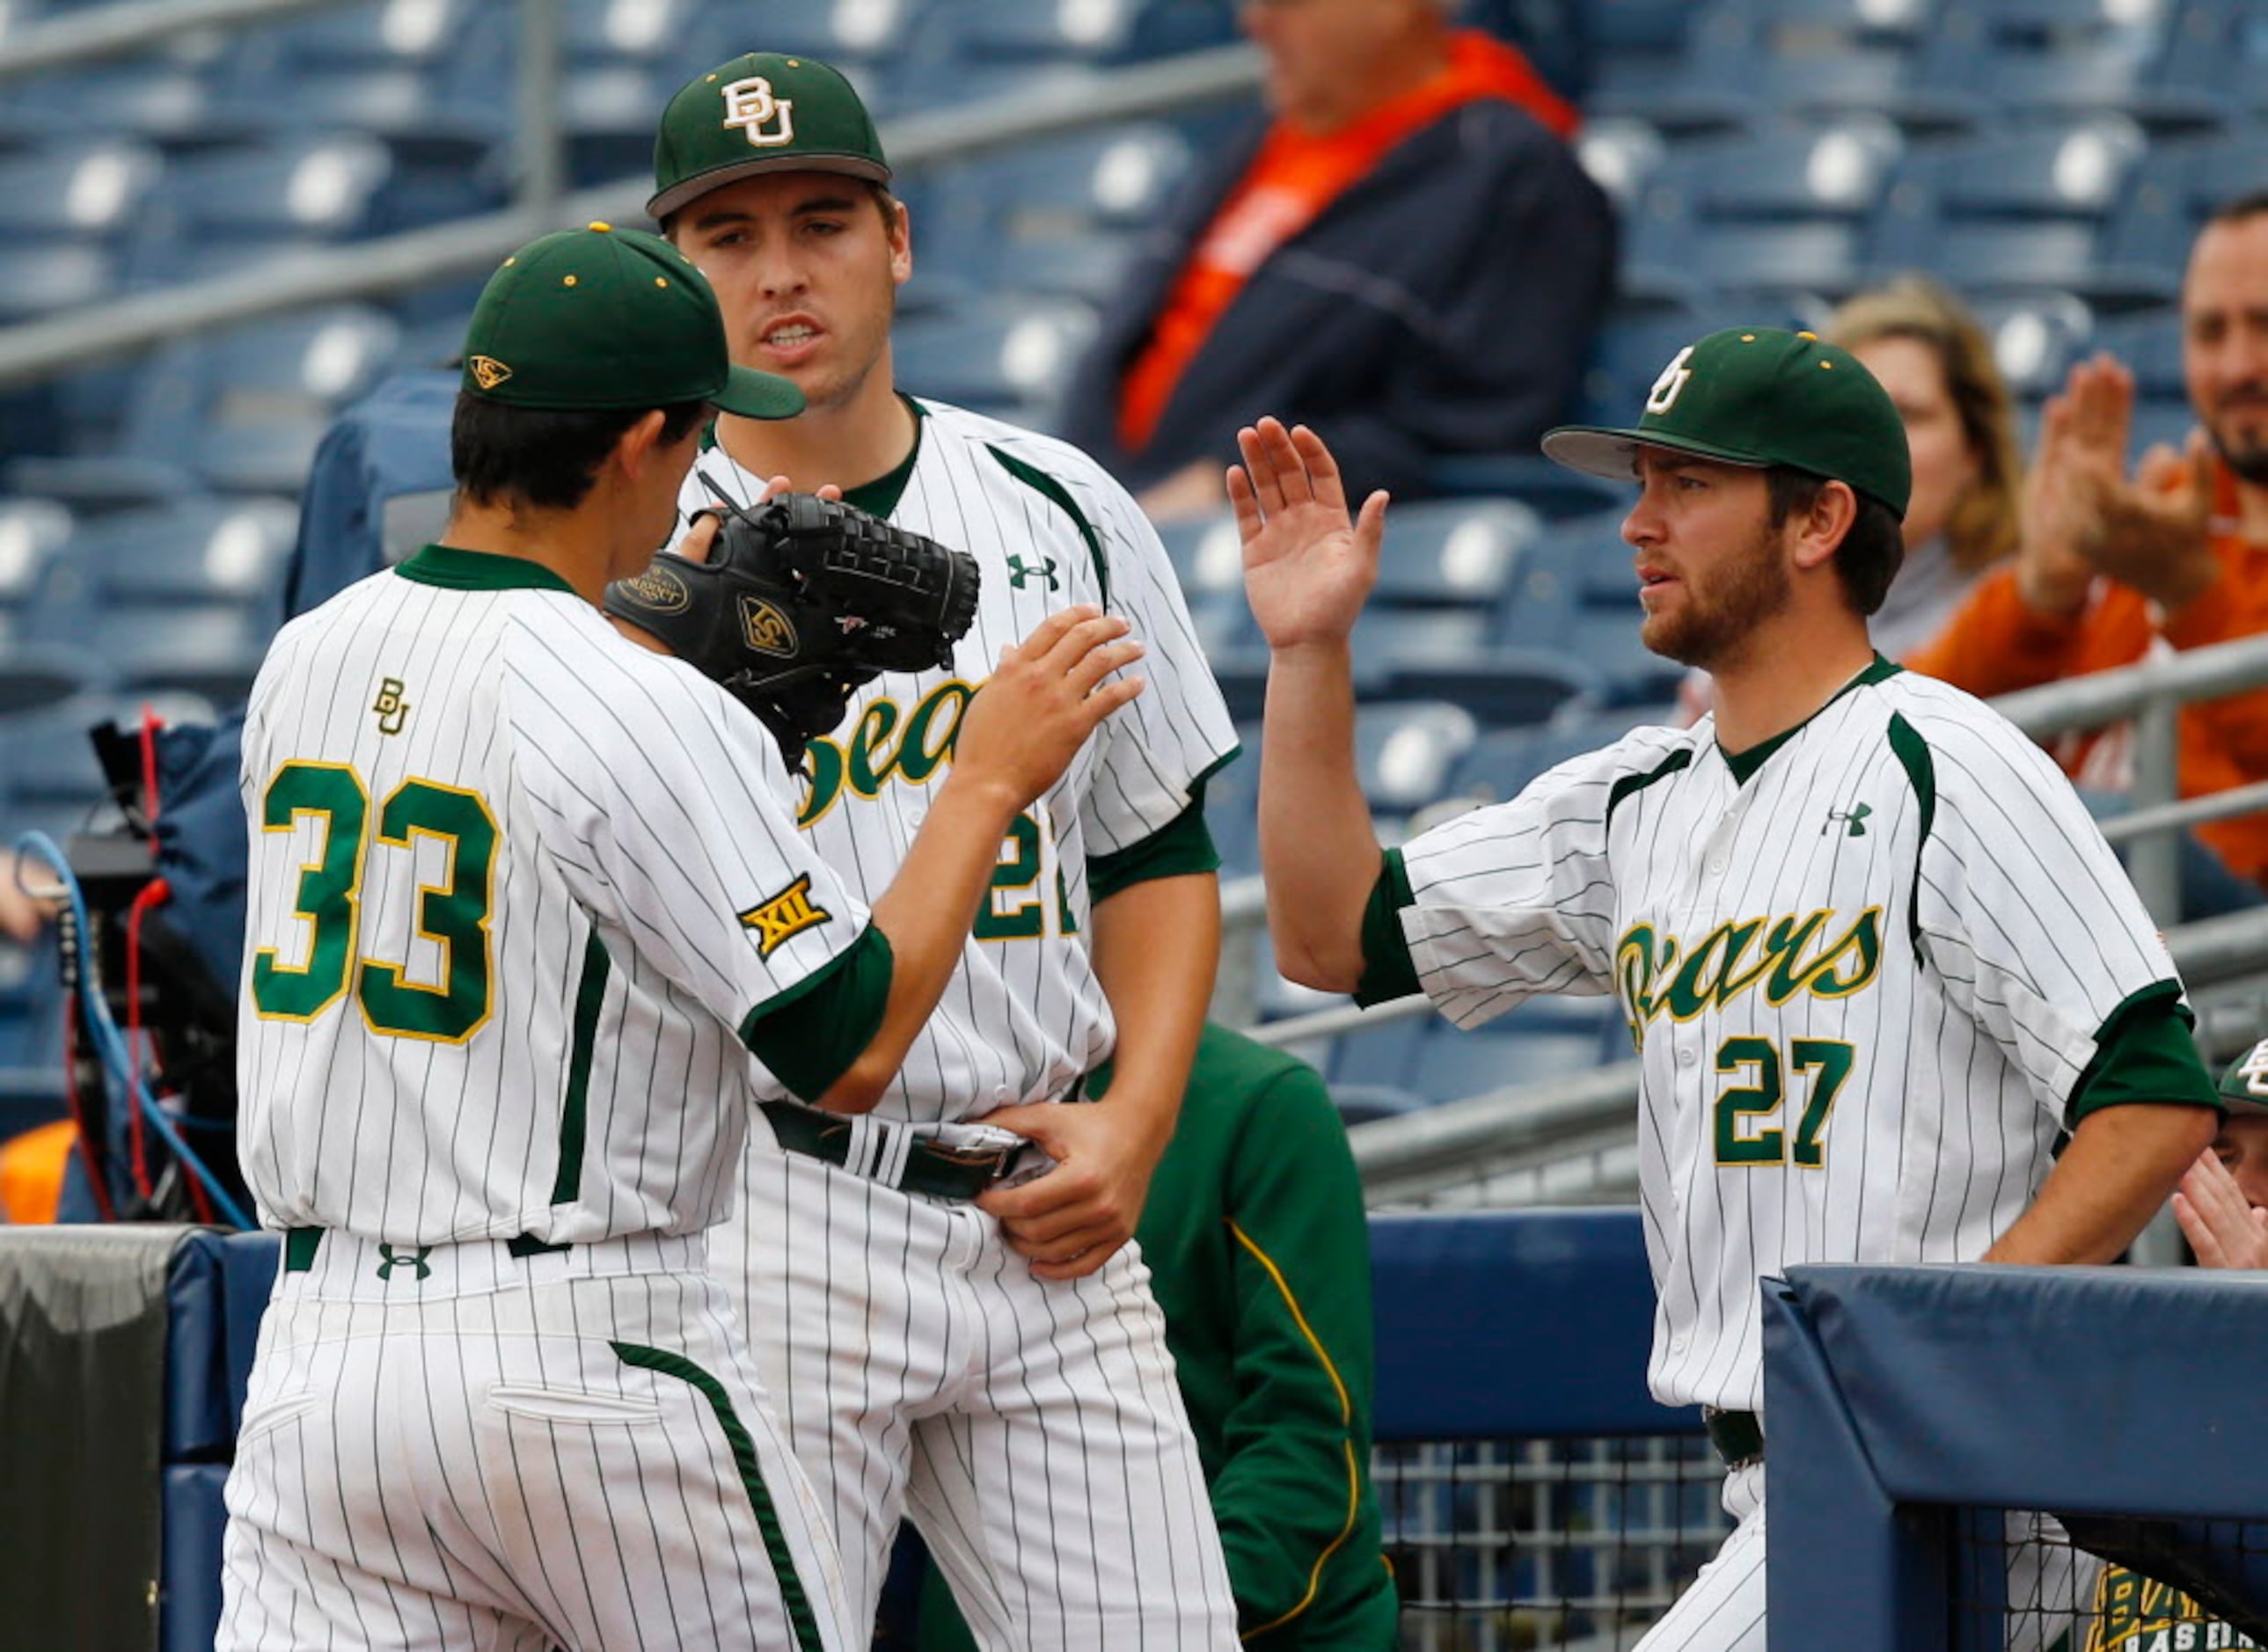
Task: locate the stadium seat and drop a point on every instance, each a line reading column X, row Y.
column 37, row 280
column 39, row 674
column 212, row 652
column 2036, row 338
column 1091, row 32
column 1504, row 687
column 1060, row 218
column 1450, row 552
column 2174, row 190
column 2149, row 343
column 244, row 410
column 1783, row 209
column 160, row 97
column 1002, row 358
column 1621, row 154
column 2219, row 48
column 78, row 191
column 32, row 531
column 1405, row 754
column 193, row 551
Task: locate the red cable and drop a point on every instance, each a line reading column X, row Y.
column 150, row 724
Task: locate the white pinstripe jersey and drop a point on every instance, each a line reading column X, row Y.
column 1863, row 984
column 514, row 884
column 1023, row 1016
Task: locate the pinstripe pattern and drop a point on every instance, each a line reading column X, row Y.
column 443, row 1447
column 612, row 775
column 422, row 1466
column 1032, row 1430
column 1977, row 967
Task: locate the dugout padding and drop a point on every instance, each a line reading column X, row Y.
column 1898, row 1396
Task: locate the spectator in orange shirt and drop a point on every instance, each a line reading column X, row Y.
column 2115, row 567
column 1407, row 255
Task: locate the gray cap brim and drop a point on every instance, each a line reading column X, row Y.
column 688, row 190
column 1599, row 450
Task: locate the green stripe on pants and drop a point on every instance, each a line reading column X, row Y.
column 752, row 1476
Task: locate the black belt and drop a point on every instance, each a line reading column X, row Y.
column 301, row 1244
column 929, row 1166
column 1738, row 1435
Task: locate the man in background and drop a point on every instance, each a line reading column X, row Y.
column 1407, row 254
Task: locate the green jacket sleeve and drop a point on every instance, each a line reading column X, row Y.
column 1296, row 1444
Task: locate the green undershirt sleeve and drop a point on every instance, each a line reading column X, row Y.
column 1388, row 970
column 1182, row 846
column 2145, row 1056
column 837, row 1009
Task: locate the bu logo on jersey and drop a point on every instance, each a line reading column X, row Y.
column 783, row 916
column 1657, row 974
column 392, row 710
column 767, row 629
column 750, row 106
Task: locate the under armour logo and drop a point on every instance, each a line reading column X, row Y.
column 392, row 710
column 388, row 1261
column 1017, row 573
column 1853, row 820
column 750, row 106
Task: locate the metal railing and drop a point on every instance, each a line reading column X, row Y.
column 77, row 339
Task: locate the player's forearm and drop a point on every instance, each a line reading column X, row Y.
column 1156, row 946
column 2122, row 1164
column 1316, row 844
column 925, row 913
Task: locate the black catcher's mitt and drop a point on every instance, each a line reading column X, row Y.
column 801, row 603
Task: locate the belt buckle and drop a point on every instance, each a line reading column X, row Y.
column 994, row 1163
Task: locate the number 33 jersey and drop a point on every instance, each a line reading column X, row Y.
column 1872, row 969
column 516, row 888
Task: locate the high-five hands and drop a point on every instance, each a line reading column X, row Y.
column 1308, row 566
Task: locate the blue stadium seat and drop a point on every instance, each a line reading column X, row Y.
column 2036, row 338
column 1781, row 209
column 1060, row 217
column 37, row 674
column 229, row 551
column 244, row 410
column 1093, row 31
column 1390, row 640
column 2017, row 210
column 39, row 280
column 1009, row 359
column 1207, row 554
column 1452, row 553
column 1505, row 687
column 1232, row 803
column 210, row 650
column 2149, row 343
column 1621, row 153
column 79, row 192
column 240, row 204
column 1405, row 754
column 160, row 97
column 49, row 763
column 2030, row 56
column 2174, row 190
column 32, row 533
column 1547, row 1037
column 2219, row 48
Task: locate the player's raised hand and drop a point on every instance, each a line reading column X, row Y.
column 2061, row 512
column 1049, row 693
column 1308, row 566
column 2222, row 1227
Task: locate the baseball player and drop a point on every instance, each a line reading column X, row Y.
column 530, row 928
column 985, row 1356
column 1875, row 958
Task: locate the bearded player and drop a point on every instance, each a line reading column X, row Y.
column 985, row 1356
column 524, row 900
column 1875, row 958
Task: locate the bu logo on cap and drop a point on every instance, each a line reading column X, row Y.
column 1664, row 394
column 750, row 106
column 487, row 373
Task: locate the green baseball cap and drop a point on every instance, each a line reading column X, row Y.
column 2245, row 1086
column 1760, row 396
column 607, row 318
column 764, row 112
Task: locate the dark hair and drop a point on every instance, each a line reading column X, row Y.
column 1874, row 547
column 544, row 458
column 2251, row 204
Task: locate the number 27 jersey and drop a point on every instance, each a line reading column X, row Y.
column 1864, row 967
